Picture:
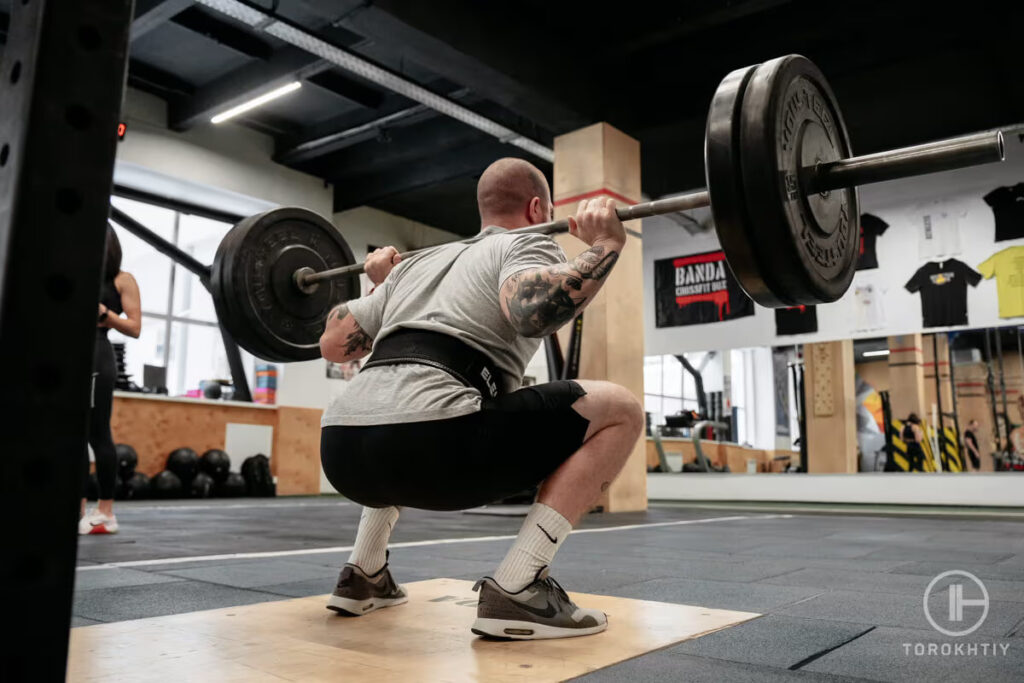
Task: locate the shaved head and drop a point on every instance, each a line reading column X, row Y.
column 506, row 191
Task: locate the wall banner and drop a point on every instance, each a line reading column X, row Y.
column 700, row 288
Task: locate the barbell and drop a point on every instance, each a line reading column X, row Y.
column 781, row 184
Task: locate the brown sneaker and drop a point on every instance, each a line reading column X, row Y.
column 358, row 593
column 540, row 610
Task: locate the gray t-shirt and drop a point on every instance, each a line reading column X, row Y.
column 451, row 289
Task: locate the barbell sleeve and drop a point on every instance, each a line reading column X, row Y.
column 931, row 157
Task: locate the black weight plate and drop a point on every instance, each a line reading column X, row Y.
column 725, row 186
column 254, row 289
column 227, row 312
column 225, row 301
column 254, row 342
column 806, row 246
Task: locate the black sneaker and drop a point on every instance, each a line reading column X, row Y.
column 358, row 593
column 541, row 610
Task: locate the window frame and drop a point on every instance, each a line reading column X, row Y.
column 179, row 208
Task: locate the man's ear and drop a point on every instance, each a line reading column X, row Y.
column 531, row 210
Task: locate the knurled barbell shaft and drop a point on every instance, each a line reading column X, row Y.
column 658, row 207
column 907, row 162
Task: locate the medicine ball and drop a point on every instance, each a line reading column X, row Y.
column 211, row 388
column 233, row 486
column 136, row 487
column 184, row 462
column 202, row 486
column 127, row 460
column 258, row 480
column 165, row 485
column 215, row 463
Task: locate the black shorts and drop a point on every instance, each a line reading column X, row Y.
column 511, row 444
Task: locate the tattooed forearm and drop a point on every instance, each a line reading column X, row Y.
column 357, row 342
column 343, row 339
column 542, row 300
column 595, row 263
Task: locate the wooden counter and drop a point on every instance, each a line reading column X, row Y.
column 718, row 453
column 156, row 425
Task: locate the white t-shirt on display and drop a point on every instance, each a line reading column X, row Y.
column 938, row 226
column 867, row 302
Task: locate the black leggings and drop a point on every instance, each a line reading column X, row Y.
column 915, row 457
column 104, row 372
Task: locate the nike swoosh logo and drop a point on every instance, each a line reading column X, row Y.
column 97, row 523
column 550, row 538
column 546, row 613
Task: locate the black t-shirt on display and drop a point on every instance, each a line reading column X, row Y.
column 1008, row 207
column 870, row 229
column 943, row 287
column 796, row 320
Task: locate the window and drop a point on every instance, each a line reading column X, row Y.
column 668, row 389
column 179, row 325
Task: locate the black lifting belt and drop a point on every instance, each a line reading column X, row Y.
column 460, row 360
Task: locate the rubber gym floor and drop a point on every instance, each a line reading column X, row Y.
column 840, row 590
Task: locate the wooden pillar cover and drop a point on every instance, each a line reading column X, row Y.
column 601, row 161
column 906, row 376
column 831, row 407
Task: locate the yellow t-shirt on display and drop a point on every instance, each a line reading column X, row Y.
column 1008, row 268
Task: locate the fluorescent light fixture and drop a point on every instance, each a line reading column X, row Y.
column 256, row 101
column 883, row 352
column 373, row 73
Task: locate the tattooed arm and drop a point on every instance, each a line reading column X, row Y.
column 343, row 339
column 540, row 300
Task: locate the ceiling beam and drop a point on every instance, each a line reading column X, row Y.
column 223, row 33
column 157, row 82
column 243, row 84
column 350, row 88
column 431, row 169
column 429, row 35
column 149, row 14
column 352, row 128
column 409, row 145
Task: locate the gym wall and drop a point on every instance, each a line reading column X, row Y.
column 898, row 203
column 226, row 164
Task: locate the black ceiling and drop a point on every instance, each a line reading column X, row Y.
column 904, row 72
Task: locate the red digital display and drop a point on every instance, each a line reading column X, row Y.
column 122, row 128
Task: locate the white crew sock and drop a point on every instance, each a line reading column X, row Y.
column 540, row 537
column 370, row 550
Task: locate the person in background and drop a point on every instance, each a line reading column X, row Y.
column 971, row 444
column 121, row 310
column 913, row 435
